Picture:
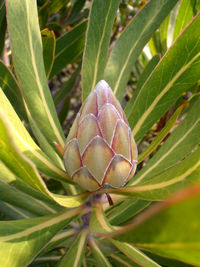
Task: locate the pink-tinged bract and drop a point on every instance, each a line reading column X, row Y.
column 100, row 150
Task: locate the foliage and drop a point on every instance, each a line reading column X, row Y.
column 53, row 54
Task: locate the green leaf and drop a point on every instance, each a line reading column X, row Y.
column 163, row 133
column 120, row 260
column 126, row 210
column 25, row 143
column 171, row 229
column 27, row 172
column 132, row 41
column 3, row 26
column 15, row 197
column 59, row 239
column 66, row 88
column 184, row 16
column 102, row 13
column 69, row 47
column 11, row 89
column 11, row 212
column 27, row 55
column 164, row 87
column 29, row 236
column 48, row 44
column 98, row 220
column 180, row 143
column 76, row 14
column 134, row 254
column 163, row 34
column 164, row 184
column 98, row 255
column 142, row 79
column 75, row 254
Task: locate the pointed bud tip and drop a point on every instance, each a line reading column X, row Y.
column 102, row 84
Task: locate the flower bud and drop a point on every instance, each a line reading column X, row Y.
column 100, row 150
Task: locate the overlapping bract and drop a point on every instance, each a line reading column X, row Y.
column 100, row 150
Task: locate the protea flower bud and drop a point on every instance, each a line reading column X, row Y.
column 100, row 150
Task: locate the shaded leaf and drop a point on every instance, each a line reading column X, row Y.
column 132, row 41
column 143, row 77
column 98, row 255
column 126, row 210
column 75, row 254
column 102, row 13
column 66, row 88
column 69, row 47
column 12, row 91
column 163, row 133
column 48, row 44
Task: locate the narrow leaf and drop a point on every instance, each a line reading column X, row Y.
column 132, row 41
column 29, row 237
column 19, row 199
column 126, row 210
column 184, row 16
column 66, row 88
column 163, row 88
column 27, row 172
column 102, row 13
column 180, row 143
column 143, row 77
column 29, row 67
column 25, row 143
column 98, row 255
column 75, row 254
column 155, row 143
column 134, row 254
column 98, row 220
column 48, row 44
column 11, row 89
column 3, row 26
column 69, row 47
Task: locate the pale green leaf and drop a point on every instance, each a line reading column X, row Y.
column 164, row 87
column 134, row 254
column 131, row 42
column 25, row 143
column 101, row 19
column 27, row 172
column 74, row 255
column 184, row 16
column 22, row 240
column 27, row 55
column 181, row 142
column 98, row 221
